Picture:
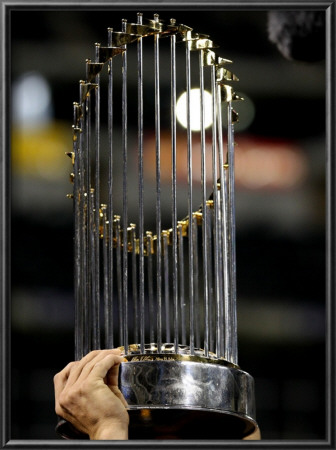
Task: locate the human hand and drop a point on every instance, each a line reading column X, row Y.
column 255, row 436
column 87, row 395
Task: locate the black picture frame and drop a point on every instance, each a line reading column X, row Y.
column 5, row 223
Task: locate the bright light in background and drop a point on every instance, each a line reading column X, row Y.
column 32, row 103
column 38, row 140
column 195, row 109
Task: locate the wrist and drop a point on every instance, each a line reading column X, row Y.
column 110, row 432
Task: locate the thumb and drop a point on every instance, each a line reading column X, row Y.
column 117, row 392
column 112, row 375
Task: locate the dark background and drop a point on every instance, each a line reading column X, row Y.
column 280, row 228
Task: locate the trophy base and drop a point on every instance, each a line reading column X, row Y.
column 171, row 396
column 188, row 424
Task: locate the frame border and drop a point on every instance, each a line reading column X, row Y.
column 6, row 6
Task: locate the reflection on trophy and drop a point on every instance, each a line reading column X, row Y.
column 154, row 240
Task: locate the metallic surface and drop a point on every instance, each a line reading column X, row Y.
column 125, row 191
column 174, row 390
column 158, row 184
column 199, row 385
column 141, row 186
column 181, row 398
column 109, row 342
column 202, row 386
column 173, row 182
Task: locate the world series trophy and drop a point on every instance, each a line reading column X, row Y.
column 161, row 289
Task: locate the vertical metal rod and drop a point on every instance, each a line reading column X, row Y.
column 196, row 272
column 141, row 191
column 215, row 203
column 226, row 333
column 85, row 277
column 83, row 225
column 125, row 206
column 92, row 263
column 204, row 215
column 83, row 240
column 149, row 246
column 118, row 239
column 174, row 191
column 109, row 342
column 190, row 205
column 96, row 325
column 158, row 188
column 77, row 206
column 210, row 252
column 87, row 209
column 165, row 235
column 181, row 281
column 106, row 290
column 228, row 304
column 220, row 296
column 135, row 284
column 231, row 188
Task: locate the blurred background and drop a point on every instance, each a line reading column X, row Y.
column 280, row 207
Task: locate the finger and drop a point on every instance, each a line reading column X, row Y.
column 91, row 364
column 115, row 351
column 112, row 375
column 60, row 380
column 84, row 364
column 81, row 363
column 102, row 366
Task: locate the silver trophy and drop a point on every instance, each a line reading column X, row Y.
column 155, row 267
